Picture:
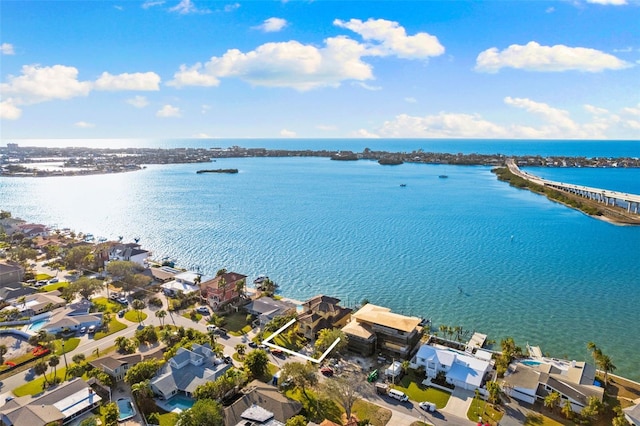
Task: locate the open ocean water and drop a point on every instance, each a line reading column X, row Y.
column 468, row 250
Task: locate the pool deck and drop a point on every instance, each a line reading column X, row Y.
column 124, row 391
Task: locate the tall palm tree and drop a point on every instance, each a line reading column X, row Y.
column 138, row 305
column 142, row 390
column 160, row 315
column 605, row 364
column 552, row 400
column 40, row 368
column 54, row 360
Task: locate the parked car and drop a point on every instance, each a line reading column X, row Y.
column 53, row 280
column 400, row 396
column 227, row 360
column 83, row 330
column 203, row 310
column 253, row 344
column 327, row 371
column 427, row 406
column 41, row 283
column 92, row 329
column 211, row 328
column 114, row 296
column 277, row 352
column 123, row 300
column 121, row 313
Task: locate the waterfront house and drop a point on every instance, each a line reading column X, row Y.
column 187, row 370
column 32, row 230
column 266, row 308
column 11, row 273
column 574, row 381
column 375, row 329
column 321, row 312
column 460, row 369
column 11, row 225
column 185, row 282
column 222, row 289
column 261, row 404
column 131, row 252
column 61, row 405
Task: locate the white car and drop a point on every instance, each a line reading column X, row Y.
column 203, row 310
column 428, row 406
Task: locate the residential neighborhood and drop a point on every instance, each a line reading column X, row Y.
column 98, row 332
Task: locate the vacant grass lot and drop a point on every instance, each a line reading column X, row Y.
column 106, row 305
column 114, row 327
column 135, row 316
column 69, row 345
column 54, row 286
column 236, row 323
column 377, row 416
column 481, row 408
column 412, row 386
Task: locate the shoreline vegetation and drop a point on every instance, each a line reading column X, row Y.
column 612, row 214
column 17, row 161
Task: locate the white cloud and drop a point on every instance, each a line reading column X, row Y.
column 169, row 111
column 393, row 38
column 39, row 84
column 608, row 2
column 287, row 133
column 411, row 100
column 84, row 125
column 632, row 110
column 186, row 7
column 231, row 7
column 7, row 49
column 138, row 101
column 595, row 110
column 146, row 81
column 8, row 111
column 151, row 3
column 558, row 118
column 272, row 25
column 442, row 125
column 534, row 57
column 120, row 8
column 550, row 9
column 367, row 86
column 191, row 76
column 305, row 66
column 364, row 134
column 202, row 136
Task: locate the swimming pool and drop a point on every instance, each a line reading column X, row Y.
column 125, row 407
column 37, row 325
column 530, row 363
column 179, row 403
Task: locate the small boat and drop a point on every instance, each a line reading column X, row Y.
column 443, row 176
column 260, row 279
column 403, row 185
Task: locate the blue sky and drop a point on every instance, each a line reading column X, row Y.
column 320, row 69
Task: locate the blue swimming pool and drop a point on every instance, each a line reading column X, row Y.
column 37, row 325
column 530, row 363
column 179, row 402
column 125, row 407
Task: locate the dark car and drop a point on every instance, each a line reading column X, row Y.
column 253, row 344
column 227, row 360
column 121, row 313
column 203, row 310
column 327, row 371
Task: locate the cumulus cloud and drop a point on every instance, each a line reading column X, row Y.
column 169, row 111
column 186, row 7
column 39, row 84
column 138, row 101
column 558, row 118
column 7, row 49
column 534, row 57
column 146, row 81
column 411, row 100
column 8, row 111
column 304, row 66
column 84, row 125
column 231, row 7
column 287, row 133
column 442, row 125
column 272, row 25
column 367, row 86
column 364, row 134
column 393, row 39
column 608, row 2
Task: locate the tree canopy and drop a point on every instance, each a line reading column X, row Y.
column 327, row 336
column 142, row 371
column 257, row 363
column 205, row 412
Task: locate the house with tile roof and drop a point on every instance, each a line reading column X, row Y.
column 375, row 329
column 222, row 289
column 61, row 405
column 321, row 312
column 186, row 370
column 263, row 405
column 574, row 381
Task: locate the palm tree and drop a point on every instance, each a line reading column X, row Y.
column 3, row 352
column 138, row 305
column 121, row 343
column 605, row 364
column 552, row 400
column 22, row 300
column 54, row 360
column 142, row 390
column 567, row 410
column 241, row 349
column 160, row 315
column 40, row 368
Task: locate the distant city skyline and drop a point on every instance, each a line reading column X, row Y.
column 320, row 69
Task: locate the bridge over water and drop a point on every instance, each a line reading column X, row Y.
column 609, row 198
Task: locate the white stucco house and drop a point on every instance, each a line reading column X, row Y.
column 186, row 282
column 129, row 252
column 461, row 370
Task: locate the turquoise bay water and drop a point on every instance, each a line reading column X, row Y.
column 467, row 250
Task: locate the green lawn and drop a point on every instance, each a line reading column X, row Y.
column 273, row 369
column 106, row 305
column 133, row 316
column 236, row 323
column 168, row 419
column 315, row 406
column 114, row 327
column 40, row 277
column 34, row 387
column 54, row 286
column 411, row 385
column 69, row 345
column 293, row 342
column 197, row 316
column 377, row 416
column 481, row 408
